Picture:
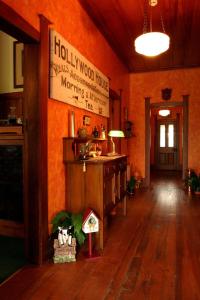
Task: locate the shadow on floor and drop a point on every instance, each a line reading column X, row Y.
column 12, row 256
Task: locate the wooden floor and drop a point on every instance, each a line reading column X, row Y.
column 153, row 253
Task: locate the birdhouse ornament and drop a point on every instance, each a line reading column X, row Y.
column 89, row 226
column 90, row 222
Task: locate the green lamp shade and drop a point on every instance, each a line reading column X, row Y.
column 116, row 133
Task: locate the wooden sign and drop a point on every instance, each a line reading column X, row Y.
column 74, row 80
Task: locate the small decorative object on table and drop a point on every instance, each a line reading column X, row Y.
column 82, row 132
column 98, row 150
column 71, row 124
column 12, row 116
column 103, row 132
column 95, row 132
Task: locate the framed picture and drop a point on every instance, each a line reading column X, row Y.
column 86, row 120
column 18, row 49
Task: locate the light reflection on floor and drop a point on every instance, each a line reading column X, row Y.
column 167, row 187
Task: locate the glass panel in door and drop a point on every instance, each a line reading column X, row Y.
column 166, row 154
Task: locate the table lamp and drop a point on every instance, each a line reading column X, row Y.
column 114, row 133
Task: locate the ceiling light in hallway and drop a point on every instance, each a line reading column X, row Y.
column 151, row 43
column 164, row 112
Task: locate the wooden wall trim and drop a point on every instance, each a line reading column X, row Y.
column 166, row 104
column 8, row 96
column 185, row 134
column 15, row 25
column 113, row 95
column 43, row 146
column 147, row 141
column 31, row 157
column 178, row 164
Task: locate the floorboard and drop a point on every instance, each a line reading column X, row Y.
column 152, row 253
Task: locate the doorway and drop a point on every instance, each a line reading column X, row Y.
column 12, row 159
column 180, row 131
column 34, row 131
column 166, row 135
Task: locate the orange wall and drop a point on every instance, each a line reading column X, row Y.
column 71, row 21
column 182, row 82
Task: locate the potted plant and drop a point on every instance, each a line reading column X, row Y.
column 194, row 182
column 131, row 185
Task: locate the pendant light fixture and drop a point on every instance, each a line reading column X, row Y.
column 164, row 112
column 151, row 43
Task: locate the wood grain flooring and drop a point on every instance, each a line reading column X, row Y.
column 152, row 253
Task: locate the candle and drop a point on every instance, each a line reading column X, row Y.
column 71, row 124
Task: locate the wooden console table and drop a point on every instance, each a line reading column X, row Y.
column 100, row 187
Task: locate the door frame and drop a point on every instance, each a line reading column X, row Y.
column 36, row 196
column 185, row 104
column 115, row 120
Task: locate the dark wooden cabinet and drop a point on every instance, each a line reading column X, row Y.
column 12, row 185
column 98, row 183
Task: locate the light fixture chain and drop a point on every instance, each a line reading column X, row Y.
column 150, row 22
column 151, row 43
column 145, row 25
column 162, row 22
column 161, row 19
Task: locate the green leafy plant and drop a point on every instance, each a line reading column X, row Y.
column 194, row 182
column 131, row 185
column 65, row 219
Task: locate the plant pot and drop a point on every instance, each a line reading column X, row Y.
column 131, row 192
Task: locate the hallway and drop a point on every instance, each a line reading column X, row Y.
column 152, row 253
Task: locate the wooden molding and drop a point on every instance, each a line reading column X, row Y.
column 15, row 25
column 147, row 141
column 113, row 95
column 43, row 108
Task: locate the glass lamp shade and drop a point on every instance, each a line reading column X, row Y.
column 164, row 112
column 116, row 133
column 152, row 43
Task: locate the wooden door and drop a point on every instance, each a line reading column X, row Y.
column 167, row 145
